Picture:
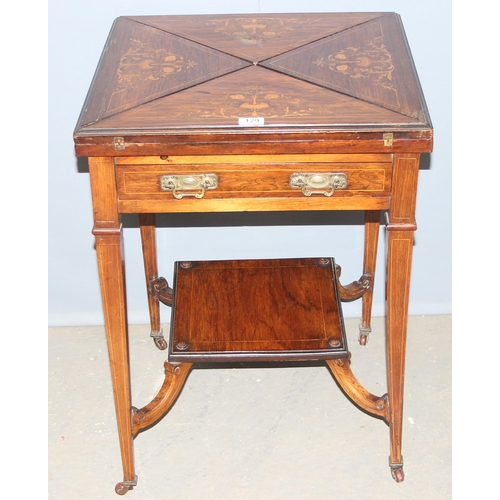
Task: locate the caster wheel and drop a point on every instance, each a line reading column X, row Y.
column 161, row 344
column 398, row 475
column 363, row 339
column 121, row 489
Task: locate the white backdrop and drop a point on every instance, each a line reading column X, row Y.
column 77, row 33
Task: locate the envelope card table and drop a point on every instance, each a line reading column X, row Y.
column 255, row 113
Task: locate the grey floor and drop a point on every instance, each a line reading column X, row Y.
column 250, row 433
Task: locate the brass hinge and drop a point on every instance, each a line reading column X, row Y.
column 388, row 139
column 119, row 143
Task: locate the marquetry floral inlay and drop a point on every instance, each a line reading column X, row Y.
column 254, row 31
column 141, row 62
column 372, row 61
column 254, row 102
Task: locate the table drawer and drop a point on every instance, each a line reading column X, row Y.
column 179, row 183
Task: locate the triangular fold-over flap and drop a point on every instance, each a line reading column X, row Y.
column 256, row 37
column 144, row 63
column 370, row 62
column 253, row 92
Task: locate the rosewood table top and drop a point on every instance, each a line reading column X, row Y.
column 344, row 78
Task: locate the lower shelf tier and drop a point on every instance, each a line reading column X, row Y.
column 256, row 310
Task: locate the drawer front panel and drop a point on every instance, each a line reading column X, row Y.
column 253, row 178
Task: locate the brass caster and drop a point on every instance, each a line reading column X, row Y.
column 398, row 475
column 124, row 486
column 160, row 343
column 397, row 471
column 121, row 489
column 364, row 331
column 159, row 339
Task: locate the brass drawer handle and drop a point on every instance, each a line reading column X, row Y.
column 188, row 185
column 319, row 183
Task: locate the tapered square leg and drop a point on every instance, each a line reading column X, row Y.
column 372, row 226
column 148, row 238
column 400, row 235
column 109, row 249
